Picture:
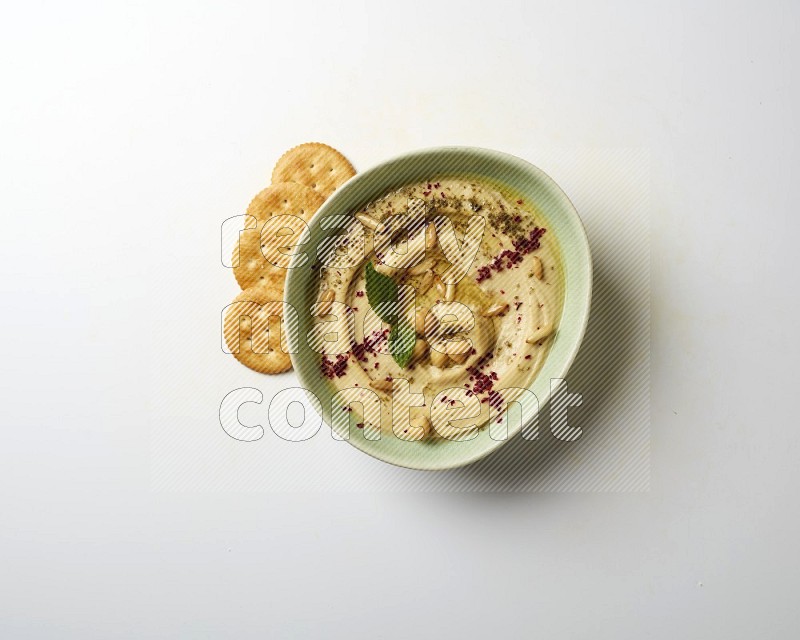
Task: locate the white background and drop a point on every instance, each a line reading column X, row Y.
column 128, row 131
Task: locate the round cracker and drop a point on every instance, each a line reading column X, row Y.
column 252, row 268
column 247, row 330
column 264, row 252
column 284, row 198
column 315, row 165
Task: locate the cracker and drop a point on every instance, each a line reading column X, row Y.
column 284, row 197
column 264, row 253
column 247, row 329
column 315, row 165
column 252, row 267
column 258, row 238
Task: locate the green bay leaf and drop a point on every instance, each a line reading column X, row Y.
column 401, row 342
column 382, row 294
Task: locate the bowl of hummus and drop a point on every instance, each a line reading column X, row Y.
column 432, row 301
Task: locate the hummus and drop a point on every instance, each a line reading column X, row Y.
column 479, row 292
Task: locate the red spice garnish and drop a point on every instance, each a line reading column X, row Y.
column 510, row 258
column 426, row 193
column 519, row 201
column 483, row 382
column 359, row 294
column 370, row 345
column 359, row 425
column 334, row 368
column 443, row 196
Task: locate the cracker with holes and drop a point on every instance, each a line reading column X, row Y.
column 254, row 330
column 251, row 268
column 315, row 165
column 263, row 253
column 284, row 198
column 260, row 256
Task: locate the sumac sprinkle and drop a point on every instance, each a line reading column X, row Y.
column 509, row 258
column 334, row 368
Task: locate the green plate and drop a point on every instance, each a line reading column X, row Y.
column 517, row 176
